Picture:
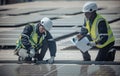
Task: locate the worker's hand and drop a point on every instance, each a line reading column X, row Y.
column 92, row 44
column 32, row 52
column 79, row 36
column 51, row 60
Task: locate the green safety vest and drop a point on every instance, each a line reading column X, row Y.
column 94, row 31
column 33, row 39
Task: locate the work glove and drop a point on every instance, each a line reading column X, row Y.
column 92, row 44
column 23, row 53
column 32, row 52
column 51, row 60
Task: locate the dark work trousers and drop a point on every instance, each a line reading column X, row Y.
column 105, row 55
column 40, row 55
column 45, row 45
column 86, row 56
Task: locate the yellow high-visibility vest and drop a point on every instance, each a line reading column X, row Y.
column 94, row 31
column 32, row 39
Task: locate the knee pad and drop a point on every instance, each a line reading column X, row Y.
column 23, row 53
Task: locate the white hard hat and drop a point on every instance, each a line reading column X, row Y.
column 89, row 7
column 47, row 23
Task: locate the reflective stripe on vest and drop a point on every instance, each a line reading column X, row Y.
column 94, row 31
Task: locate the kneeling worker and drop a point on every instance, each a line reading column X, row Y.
column 34, row 42
column 100, row 33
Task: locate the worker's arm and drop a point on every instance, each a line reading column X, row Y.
column 83, row 31
column 51, row 44
column 52, row 47
column 102, row 30
column 25, row 36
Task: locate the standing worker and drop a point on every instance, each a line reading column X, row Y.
column 34, row 41
column 99, row 32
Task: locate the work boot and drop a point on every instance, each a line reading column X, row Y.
column 28, row 60
column 35, row 60
column 20, row 60
column 111, row 55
